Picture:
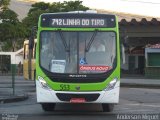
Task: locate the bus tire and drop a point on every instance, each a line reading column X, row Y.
column 48, row 106
column 107, row 107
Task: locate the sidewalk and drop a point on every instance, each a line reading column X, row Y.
column 140, row 82
column 21, row 88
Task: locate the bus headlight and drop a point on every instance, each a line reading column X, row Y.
column 43, row 83
column 111, row 85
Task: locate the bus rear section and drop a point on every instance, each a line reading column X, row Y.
column 77, row 59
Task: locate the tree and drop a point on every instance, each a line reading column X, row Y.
column 74, row 6
column 12, row 36
column 9, row 16
column 41, row 7
column 12, row 32
column 31, row 20
column 4, row 4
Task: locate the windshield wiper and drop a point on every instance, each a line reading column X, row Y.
column 67, row 48
column 87, row 48
column 64, row 41
column 91, row 41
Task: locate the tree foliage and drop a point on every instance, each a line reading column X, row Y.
column 12, row 32
column 74, row 5
column 4, row 4
column 12, row 36
column 9, row 16
column 41, row 7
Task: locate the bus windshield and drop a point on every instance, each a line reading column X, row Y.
column 77, row 52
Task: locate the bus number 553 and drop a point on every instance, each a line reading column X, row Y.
column 64, row 87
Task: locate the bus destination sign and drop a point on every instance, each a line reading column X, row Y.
column 79, row 22
column 70, row 22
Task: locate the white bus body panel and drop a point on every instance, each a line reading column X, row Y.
column 49, row 96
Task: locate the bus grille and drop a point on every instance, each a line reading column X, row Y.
column 68, row 97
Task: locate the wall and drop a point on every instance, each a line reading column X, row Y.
column 15, row 58
column 152, row 71
column 125, row 65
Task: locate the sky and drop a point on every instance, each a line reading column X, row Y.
column 140, row 7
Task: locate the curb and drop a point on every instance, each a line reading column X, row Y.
column 15, row 98
column 135, row 85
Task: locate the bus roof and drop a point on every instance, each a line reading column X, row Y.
column 78, row 13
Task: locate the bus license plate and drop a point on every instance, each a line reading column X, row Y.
column 77, row 100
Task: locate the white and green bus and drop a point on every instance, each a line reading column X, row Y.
column 77, row 59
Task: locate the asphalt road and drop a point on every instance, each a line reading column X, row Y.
column 132, row 101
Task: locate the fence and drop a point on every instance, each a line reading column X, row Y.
column 152, row 72
column 6, row 70
column 7, row 80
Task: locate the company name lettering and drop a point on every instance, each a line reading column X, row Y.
column 95, row 68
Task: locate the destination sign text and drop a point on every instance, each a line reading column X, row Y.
column 78, row 22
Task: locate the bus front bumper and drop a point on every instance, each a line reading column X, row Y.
column 51, row 96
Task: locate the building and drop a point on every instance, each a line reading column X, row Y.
column 136, row 32
column 152, row 57
column 7, row 59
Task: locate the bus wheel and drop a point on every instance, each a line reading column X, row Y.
column 48, row 106
column 107, row 107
